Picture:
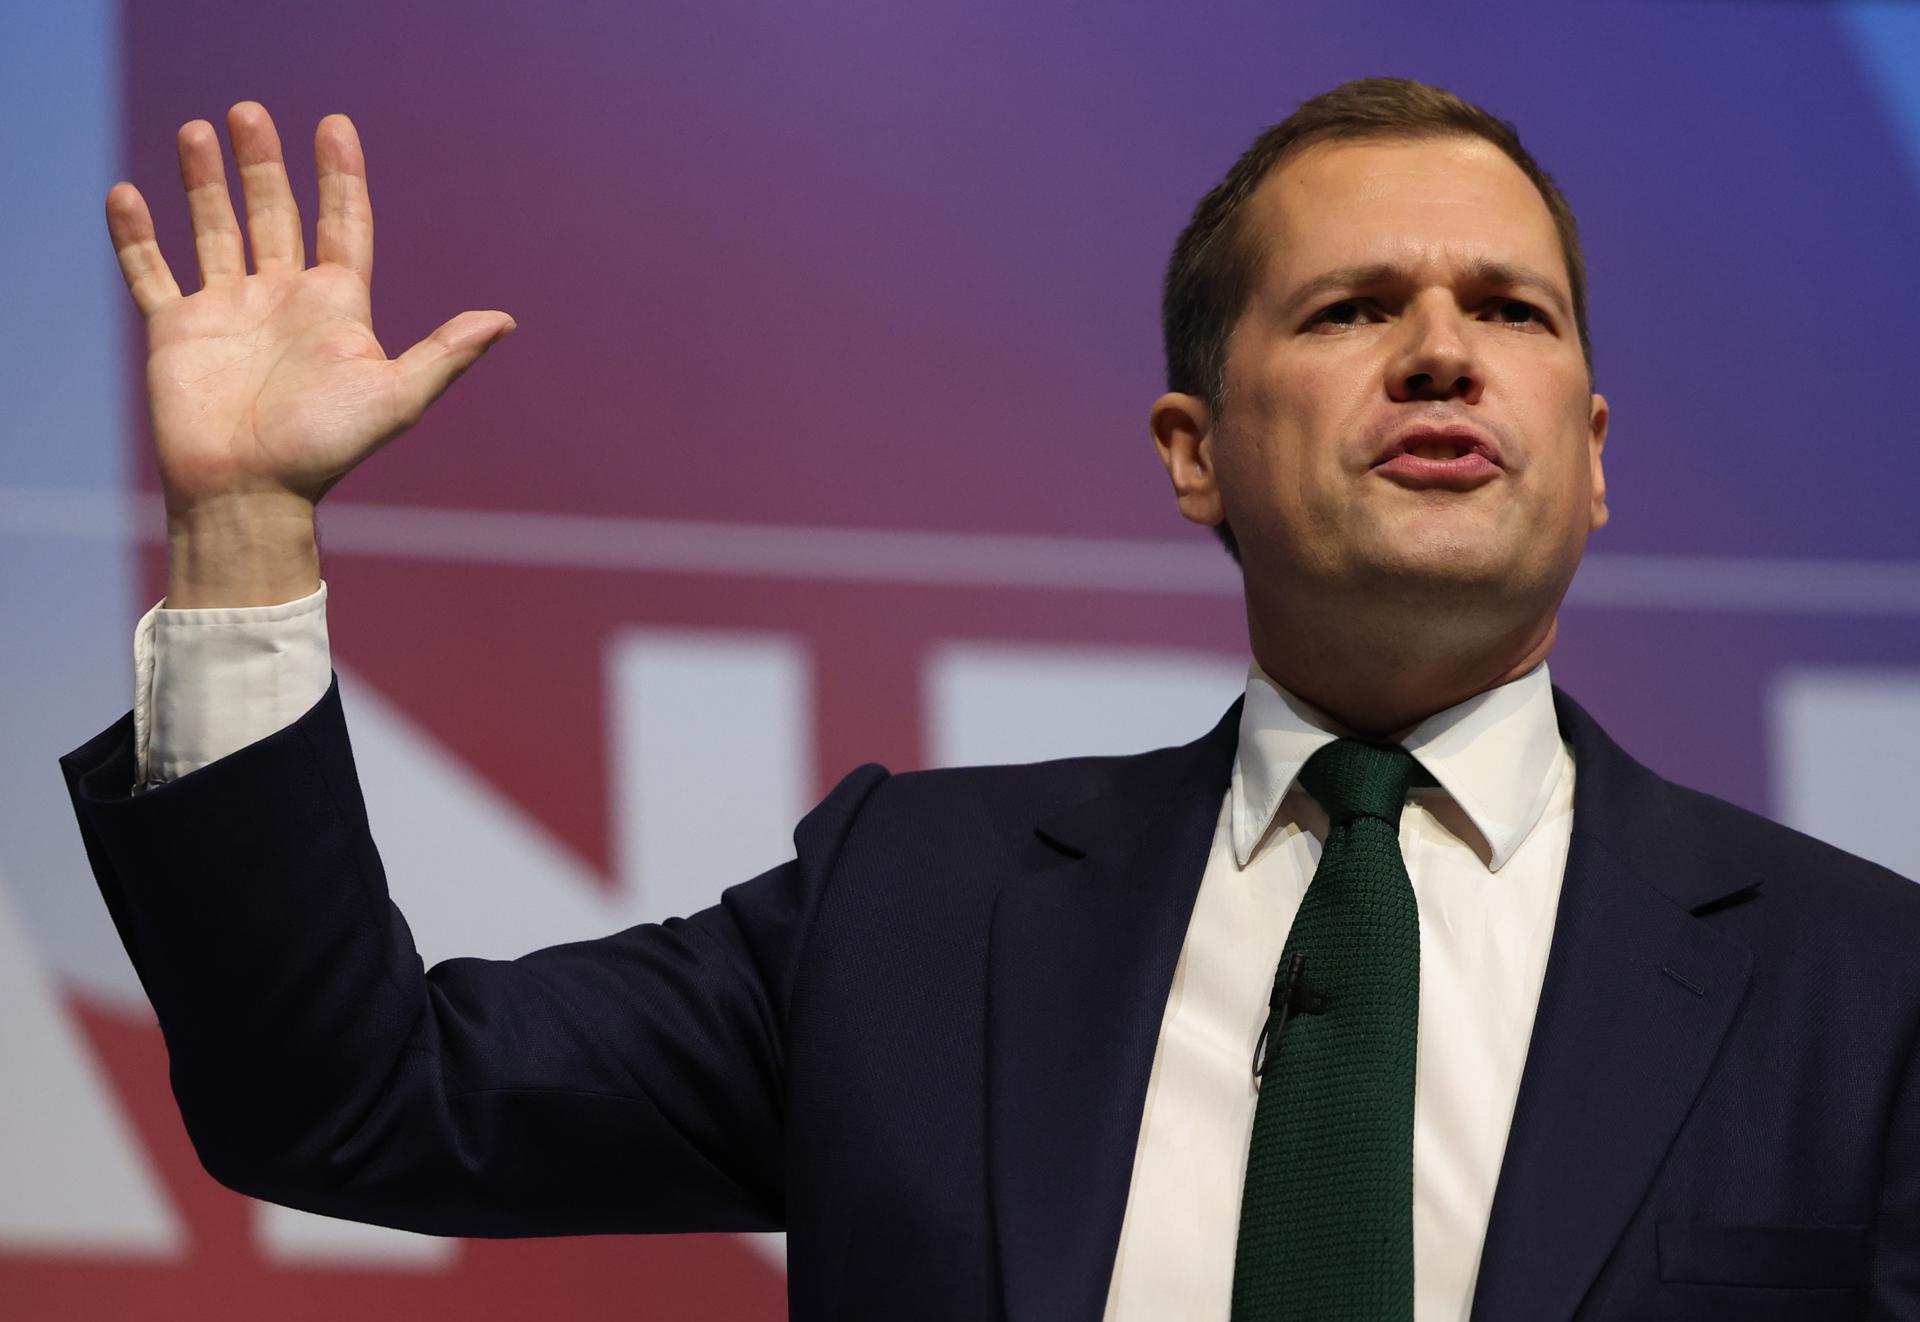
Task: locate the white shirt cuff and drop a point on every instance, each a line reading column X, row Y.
column 207, row 683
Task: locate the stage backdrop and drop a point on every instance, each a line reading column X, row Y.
column 823, row 439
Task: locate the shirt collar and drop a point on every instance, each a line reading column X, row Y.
column 1495, row 754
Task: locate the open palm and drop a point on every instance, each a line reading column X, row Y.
column 272, row 384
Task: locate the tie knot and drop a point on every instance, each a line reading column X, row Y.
column 1356, row 778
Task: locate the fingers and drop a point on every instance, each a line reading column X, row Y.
column 273, row 218
column 344, row 231
column 216, row 235
column 343, row 234
column 130, row 226
column 430, row 366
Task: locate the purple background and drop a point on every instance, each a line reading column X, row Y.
column 884, row 266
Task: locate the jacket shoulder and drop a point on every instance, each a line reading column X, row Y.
column 1701, row 848
column 1065, row 801
column 1783, row 856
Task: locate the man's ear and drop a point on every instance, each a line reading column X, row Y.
column 1597, row 419
column 1183, row 434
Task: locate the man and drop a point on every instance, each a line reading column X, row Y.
column 1403, row 993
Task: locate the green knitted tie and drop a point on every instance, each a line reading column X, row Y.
column 1326, row 1217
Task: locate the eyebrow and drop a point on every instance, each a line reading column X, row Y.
column 1510, row 275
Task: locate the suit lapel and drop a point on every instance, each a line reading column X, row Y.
column 1637, row 997
column 1081, row 959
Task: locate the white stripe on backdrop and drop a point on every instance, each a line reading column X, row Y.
column 1191, row 566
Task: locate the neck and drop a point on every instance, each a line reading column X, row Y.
column 1379, row 681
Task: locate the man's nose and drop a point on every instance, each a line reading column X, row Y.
column 1436, row 360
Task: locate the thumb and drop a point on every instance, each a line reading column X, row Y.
column 429, row 367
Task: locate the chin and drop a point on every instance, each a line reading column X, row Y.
column 1441, row 555
column 1478, row 571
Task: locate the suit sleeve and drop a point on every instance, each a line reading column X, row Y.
column 627, row 1084
column 1894, row 1281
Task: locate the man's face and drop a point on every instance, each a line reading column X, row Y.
column 1400, row 285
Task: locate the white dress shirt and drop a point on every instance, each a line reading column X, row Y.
column 1485, row 852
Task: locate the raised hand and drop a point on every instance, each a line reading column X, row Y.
column 268, row 388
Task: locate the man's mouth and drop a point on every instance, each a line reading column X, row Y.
column 1437, row 449
column 1441, row 443
column 1450, row 458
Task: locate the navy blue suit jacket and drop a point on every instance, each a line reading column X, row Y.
column 922, row 1046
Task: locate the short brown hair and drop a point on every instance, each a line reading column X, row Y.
column 1213, row 266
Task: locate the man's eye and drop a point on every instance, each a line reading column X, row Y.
column 1514, row 312
column 1344, row 313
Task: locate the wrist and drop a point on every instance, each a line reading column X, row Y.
column 242, row 551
